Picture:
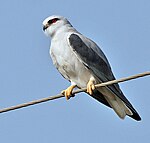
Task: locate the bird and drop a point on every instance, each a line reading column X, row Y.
column 81, row 61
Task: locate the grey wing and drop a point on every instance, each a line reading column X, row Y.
column 97, row 63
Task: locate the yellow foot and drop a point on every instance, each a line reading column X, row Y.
column 68, row 92
column 90, row 87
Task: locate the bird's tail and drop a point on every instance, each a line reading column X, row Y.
column 119, row 107
column 117, row 104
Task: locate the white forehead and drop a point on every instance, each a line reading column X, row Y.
column 52, row 17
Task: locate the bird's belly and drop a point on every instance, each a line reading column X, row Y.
column 76, row 72
column 72, row 69
column 80, row 75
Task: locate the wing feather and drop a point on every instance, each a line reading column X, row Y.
column 94, row 59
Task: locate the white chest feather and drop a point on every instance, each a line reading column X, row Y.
column 67, row 63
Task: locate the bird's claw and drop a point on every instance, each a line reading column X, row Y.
column 68, row 92
column 90, row 87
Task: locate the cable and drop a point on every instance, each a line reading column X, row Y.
column 74, row 92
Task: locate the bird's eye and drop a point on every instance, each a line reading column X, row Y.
column 53, row 21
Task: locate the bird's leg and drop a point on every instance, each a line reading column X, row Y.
column 68, row 92
column 90, row 86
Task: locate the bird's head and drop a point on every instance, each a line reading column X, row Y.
column 53, row 23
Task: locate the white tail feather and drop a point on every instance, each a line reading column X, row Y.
column 116, row 103
column 117, row 106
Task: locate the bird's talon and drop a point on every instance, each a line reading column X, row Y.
column 93, row 87
column 68, row 92
column 90, row 87
column 63, row 92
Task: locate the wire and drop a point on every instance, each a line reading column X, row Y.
column 74, row 92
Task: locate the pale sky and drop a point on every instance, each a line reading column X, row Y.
column 120, row 28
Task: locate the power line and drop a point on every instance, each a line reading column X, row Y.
column 74, row 92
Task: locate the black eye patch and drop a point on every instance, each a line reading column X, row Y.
column 53, row 21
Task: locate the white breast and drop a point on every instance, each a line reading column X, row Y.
column 67, row 62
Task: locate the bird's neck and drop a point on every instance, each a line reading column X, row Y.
column 63, row 29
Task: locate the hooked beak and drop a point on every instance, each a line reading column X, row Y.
column 45, row 27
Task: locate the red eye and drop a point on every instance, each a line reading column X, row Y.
column 54, row 20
